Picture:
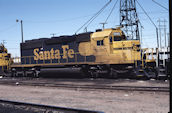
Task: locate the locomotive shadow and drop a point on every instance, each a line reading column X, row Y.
column 75, row 73
column 60, row 73
column 73, row 76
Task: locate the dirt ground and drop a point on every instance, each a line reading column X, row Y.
column 99, row 100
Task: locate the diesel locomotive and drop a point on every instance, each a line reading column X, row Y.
column 5, row 60
column 105, row 52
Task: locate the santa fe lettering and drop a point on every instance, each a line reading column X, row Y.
column 53, row 54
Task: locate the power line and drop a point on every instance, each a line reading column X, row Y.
column 14, row 48
column 160, row 5
column 151, row 22
column 98, row 13
column 146, row 13
column 111, row 11
column 148, row 38
column 8, row 28
column 93, row 17
column 62, row 20
column 153, row 12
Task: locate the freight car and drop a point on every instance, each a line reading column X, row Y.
column 104, row 52
column 5, row 60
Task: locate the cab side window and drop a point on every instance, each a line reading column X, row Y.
column 100, row 43
column 117, row 39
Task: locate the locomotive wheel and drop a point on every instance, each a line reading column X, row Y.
column 37, row 74
column 24, row 74
column 156, row 71
column 13, row 74
column 84, row 73
column 94, row 74
column 132, row 74
column 112, row 73
column 33, row 74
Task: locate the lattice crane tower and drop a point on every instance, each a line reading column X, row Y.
column 129, row 19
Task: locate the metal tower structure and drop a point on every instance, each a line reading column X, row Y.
column 129, row 19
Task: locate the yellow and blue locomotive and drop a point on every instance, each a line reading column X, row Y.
column 5, row 60
column 104, row 52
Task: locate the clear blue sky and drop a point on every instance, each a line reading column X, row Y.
column 63, row 17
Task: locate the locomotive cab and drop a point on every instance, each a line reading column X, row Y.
column 112, row 46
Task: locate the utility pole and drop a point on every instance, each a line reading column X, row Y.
column 21, row 23
column 159, row 31
column 85, row 29
column 22, row 30
column 165, row 34
column 141, row 34
column 160, row 36
column 168, row 39
column 3, row 42
column 53, row 34
column 103, row 25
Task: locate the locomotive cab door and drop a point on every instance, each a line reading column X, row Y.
column 111, row 44
column 114, row 39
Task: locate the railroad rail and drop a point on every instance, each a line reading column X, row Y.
column 55, row 84
column 7, row 106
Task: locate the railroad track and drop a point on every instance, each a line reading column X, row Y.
column 85, row 87
column 7, row 106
